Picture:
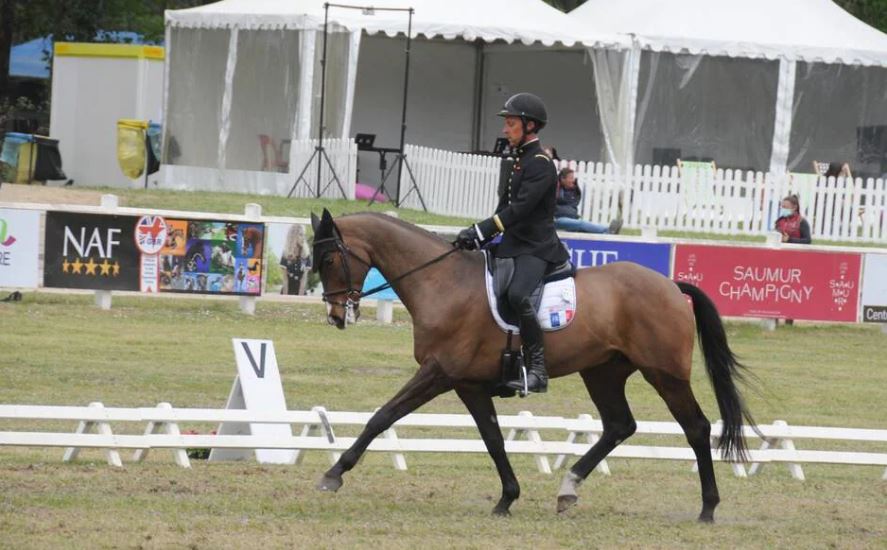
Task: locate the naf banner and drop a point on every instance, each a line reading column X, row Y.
column 91, row 251
column 591, row 253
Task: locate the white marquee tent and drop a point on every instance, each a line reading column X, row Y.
column 759, row 84
column 243, row 71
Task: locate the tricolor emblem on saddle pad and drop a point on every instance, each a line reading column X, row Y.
column 555, row 304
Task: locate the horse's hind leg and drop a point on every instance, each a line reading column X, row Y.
column 606, row 385
column 480, row 405
column 426, row 384
column 683, row 406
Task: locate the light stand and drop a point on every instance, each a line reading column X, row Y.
column 319, row 151
column 401, row 159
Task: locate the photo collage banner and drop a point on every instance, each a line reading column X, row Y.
column 212, row 257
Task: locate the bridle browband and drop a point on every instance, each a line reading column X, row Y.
column 353, row 294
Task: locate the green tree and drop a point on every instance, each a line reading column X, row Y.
column 873, row 12
column 78, row 20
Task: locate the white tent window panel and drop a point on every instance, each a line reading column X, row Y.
column 706, row 108
column 338, row 49
column 840, row 115
column 197, row 60
column 564, row 79
column 440, row 95
column 265, row 93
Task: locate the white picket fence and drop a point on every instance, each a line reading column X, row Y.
column 342, row 154
column 163, row 431
column 453, row 184
column 721, row 202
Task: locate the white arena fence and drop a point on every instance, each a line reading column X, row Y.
column 571, row 436
column 710, row 201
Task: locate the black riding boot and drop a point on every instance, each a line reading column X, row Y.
column 534, row 351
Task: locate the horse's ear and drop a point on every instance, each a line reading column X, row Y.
column 315, row 223
column 328, row 225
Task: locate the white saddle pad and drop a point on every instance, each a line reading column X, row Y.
column 556, row 310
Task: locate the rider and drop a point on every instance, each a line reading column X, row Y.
column 525, row 216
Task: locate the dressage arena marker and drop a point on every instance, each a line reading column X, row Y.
column 257, row 387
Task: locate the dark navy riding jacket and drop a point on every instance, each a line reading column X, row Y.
column 526, row 209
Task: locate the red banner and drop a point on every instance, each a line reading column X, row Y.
column 785, row 284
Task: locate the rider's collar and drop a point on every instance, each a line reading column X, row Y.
column 524, row 145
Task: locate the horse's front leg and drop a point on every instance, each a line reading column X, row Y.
column 481, row 407
column 428, row 383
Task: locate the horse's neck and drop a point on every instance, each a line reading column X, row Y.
column 396, row 249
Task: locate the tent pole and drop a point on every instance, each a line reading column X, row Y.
column 403, row 113
column 326, row 15
column 477, row 111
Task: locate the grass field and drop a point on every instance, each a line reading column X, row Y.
column 57, row 349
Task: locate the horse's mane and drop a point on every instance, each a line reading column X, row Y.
column 413, row 228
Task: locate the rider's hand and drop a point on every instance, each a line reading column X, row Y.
column 468, row 239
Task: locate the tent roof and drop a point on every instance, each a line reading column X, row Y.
column 808, row 30
column 527, row 21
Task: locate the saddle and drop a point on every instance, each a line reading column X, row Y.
column 554, row 298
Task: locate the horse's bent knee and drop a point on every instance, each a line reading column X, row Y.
column 620, row 431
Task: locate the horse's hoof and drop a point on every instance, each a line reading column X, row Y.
column 501, row 512
column 565, row 502
column 328, row 483
column 706, row 518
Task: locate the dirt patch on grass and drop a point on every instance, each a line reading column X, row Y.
column 11, row 192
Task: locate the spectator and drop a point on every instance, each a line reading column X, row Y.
column 791, row 224
column 566, row 215
column 838, row 170
column 551, row 152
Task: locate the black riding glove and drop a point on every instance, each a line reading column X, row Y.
column 468, row 239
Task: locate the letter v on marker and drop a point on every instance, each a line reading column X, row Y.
column 260, row 368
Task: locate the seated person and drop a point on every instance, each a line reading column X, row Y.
column 791, row 224
column 838, row 170
column 566, row 215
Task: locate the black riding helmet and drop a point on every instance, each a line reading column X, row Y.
column 528, row 107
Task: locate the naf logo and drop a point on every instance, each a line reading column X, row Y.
column 91, row 251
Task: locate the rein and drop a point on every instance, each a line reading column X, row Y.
column 353, row 295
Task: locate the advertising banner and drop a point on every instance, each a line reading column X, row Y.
column 90, row 251
column 212, row 257
column 789, row 284
column 874, row 289
column 590, row 253
column 19, row 250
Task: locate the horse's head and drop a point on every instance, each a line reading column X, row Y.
column 342, row 271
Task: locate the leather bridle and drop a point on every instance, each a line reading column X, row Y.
column 351, row 292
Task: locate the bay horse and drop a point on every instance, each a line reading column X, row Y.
column 629, row 319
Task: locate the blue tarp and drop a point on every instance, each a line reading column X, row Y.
column 31, row 59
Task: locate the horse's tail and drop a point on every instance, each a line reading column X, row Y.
column 723, row 369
